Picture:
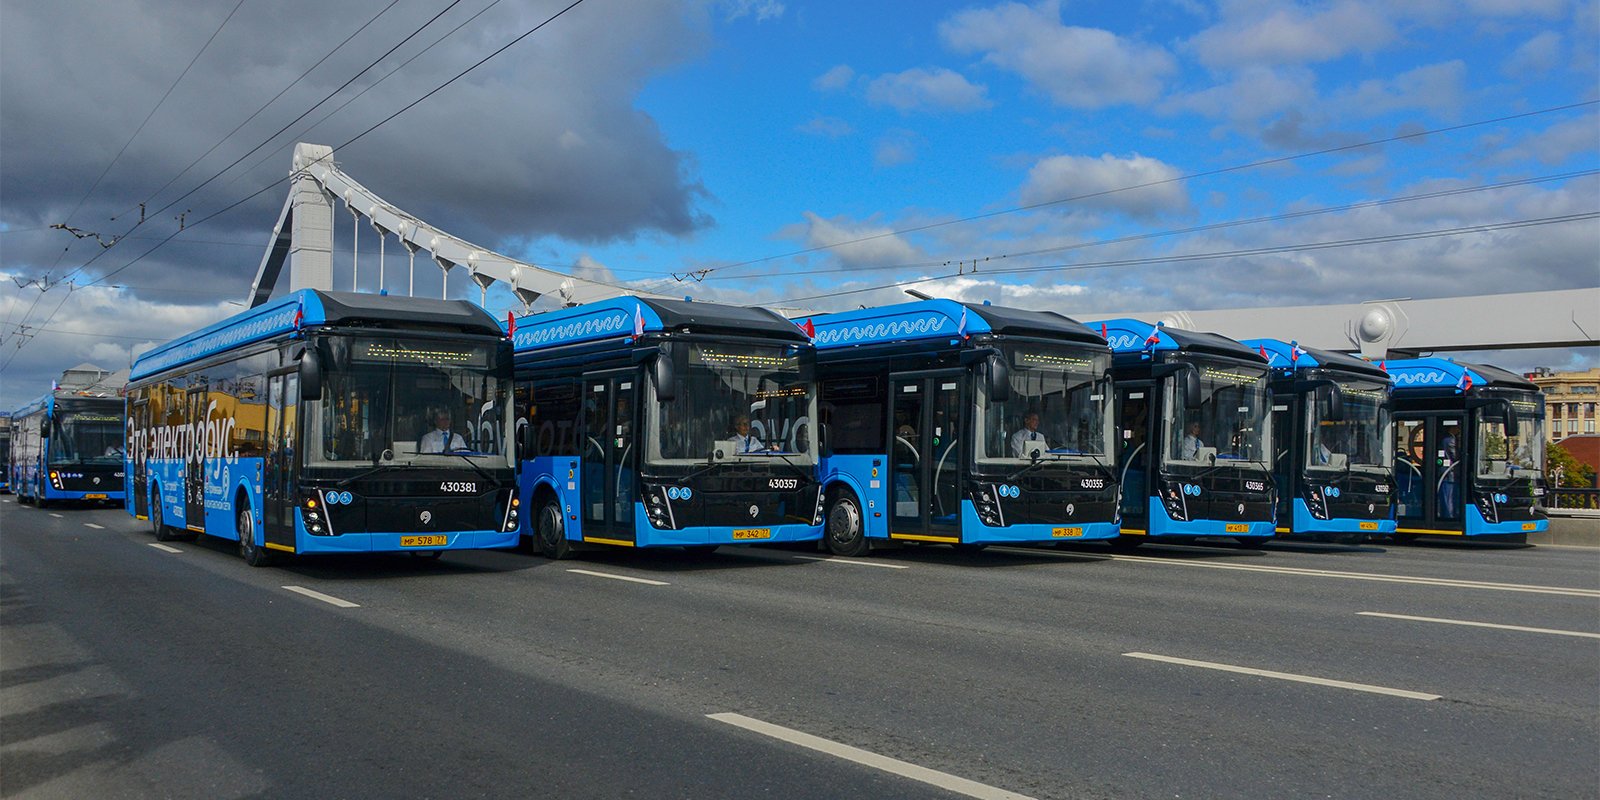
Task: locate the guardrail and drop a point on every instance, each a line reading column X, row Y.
column 1567, row 498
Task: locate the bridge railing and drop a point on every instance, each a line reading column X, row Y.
column 1570, row 498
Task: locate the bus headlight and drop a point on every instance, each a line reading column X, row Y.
column 988, row 506
column 1316, row 502
column 1172, row 499
column 658, row 506
column 55, row 479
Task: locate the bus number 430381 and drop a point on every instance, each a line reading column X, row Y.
column 459, row 486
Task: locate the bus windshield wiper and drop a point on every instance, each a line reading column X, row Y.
column 475, row 468
column 784, row 457
column 364, row 473
column 1037, row 463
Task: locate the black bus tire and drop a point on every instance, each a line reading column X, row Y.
column 846, row 530
column 250, row 550
column 551, row 532
column 158, row 524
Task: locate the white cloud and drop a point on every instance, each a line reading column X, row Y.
column 834, row 79
column 1250, row 95
column 936, row 89
column 1076, row 67
column 1538, row 55
column 1273, row 34
column 1436, row 88
column 869, row 244
column 830, row 127
column 1059, row 177
column 762, row 10
column 896, row 147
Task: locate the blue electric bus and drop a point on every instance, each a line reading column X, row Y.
column 1334, row 459
column 1194, row 413
column 964, row 424
column 1470, row 457
column 68, row 446
column 651, row 423
column 328, row 422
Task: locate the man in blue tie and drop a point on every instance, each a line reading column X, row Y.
column 743, row 440
column 1028, row 437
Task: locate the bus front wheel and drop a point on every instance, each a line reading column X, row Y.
column 158, row 524
column 552, row 532
column 249, row 549
column 846, row 531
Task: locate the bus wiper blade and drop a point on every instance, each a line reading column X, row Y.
column 487, row 478
column 1029, row 468
column 785, row 458
column 359, row 475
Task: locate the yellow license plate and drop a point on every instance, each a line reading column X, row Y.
column 94, row 497
column 1530, row 526
column 745, row 534
column 1237, row 527
column 1066, row 533
column 1369, row 526
column 424, row 541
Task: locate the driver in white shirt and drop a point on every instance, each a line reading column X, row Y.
column 1028, row 437
column 441, row 439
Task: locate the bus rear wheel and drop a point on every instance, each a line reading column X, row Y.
column 551, row 531
column 249, row 549
column 846, row 531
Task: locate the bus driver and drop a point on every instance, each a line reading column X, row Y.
column 1028, row 437
column 441, row 439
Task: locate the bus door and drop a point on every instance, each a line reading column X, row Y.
column 194, row 466
column 1286, row 459
column 609, row 455
column 925, row 460
column 1136, row 429
column 140, row 479
column 278, row 474
column 1430, row 481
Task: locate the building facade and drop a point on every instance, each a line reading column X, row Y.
column 1570, row 399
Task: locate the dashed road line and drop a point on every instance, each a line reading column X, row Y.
column 1551, row 631
column 315, row 595
column 163, row 548
column 54, row 514
column 1307, row 572
column 932, row 777
column 852, row 562
column 1287, row 676
column 92, row 525
column 618, row 577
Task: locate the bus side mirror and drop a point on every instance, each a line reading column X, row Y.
column 524, row 442
column 1335, row 403
column 999, row 378
column 1512, row 427
column 310, row 375
column 44, row 428
column 665, row 377
column 1191, row 387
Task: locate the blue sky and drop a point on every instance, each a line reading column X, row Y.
column 800, row 150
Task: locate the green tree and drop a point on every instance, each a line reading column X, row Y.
column 1574, row 473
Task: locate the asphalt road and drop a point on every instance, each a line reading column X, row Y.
column 127, row 670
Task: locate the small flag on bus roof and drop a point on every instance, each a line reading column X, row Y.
column 1295, row 352
column 1155, row 335
column 1104, row 334
column 1465, row 383
column 511, row 324
column 961, row 329
column 638, row 320
column 809, row 329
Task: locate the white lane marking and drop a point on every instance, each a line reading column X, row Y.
column 1328, row 573
column 163, row 548
column 92, row 525
column 1553, row 631
column 837, row 560
column 1287, row 676
column 54, row 514
column 932, row 777
column 619, row 577
column 329, row 599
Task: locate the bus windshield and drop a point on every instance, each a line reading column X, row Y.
column 1060, row 406
column 747, row 401
column 1359, row 441
column 411, row 401
column 87, row 433
column 1230, row 427
column 1504, row 456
